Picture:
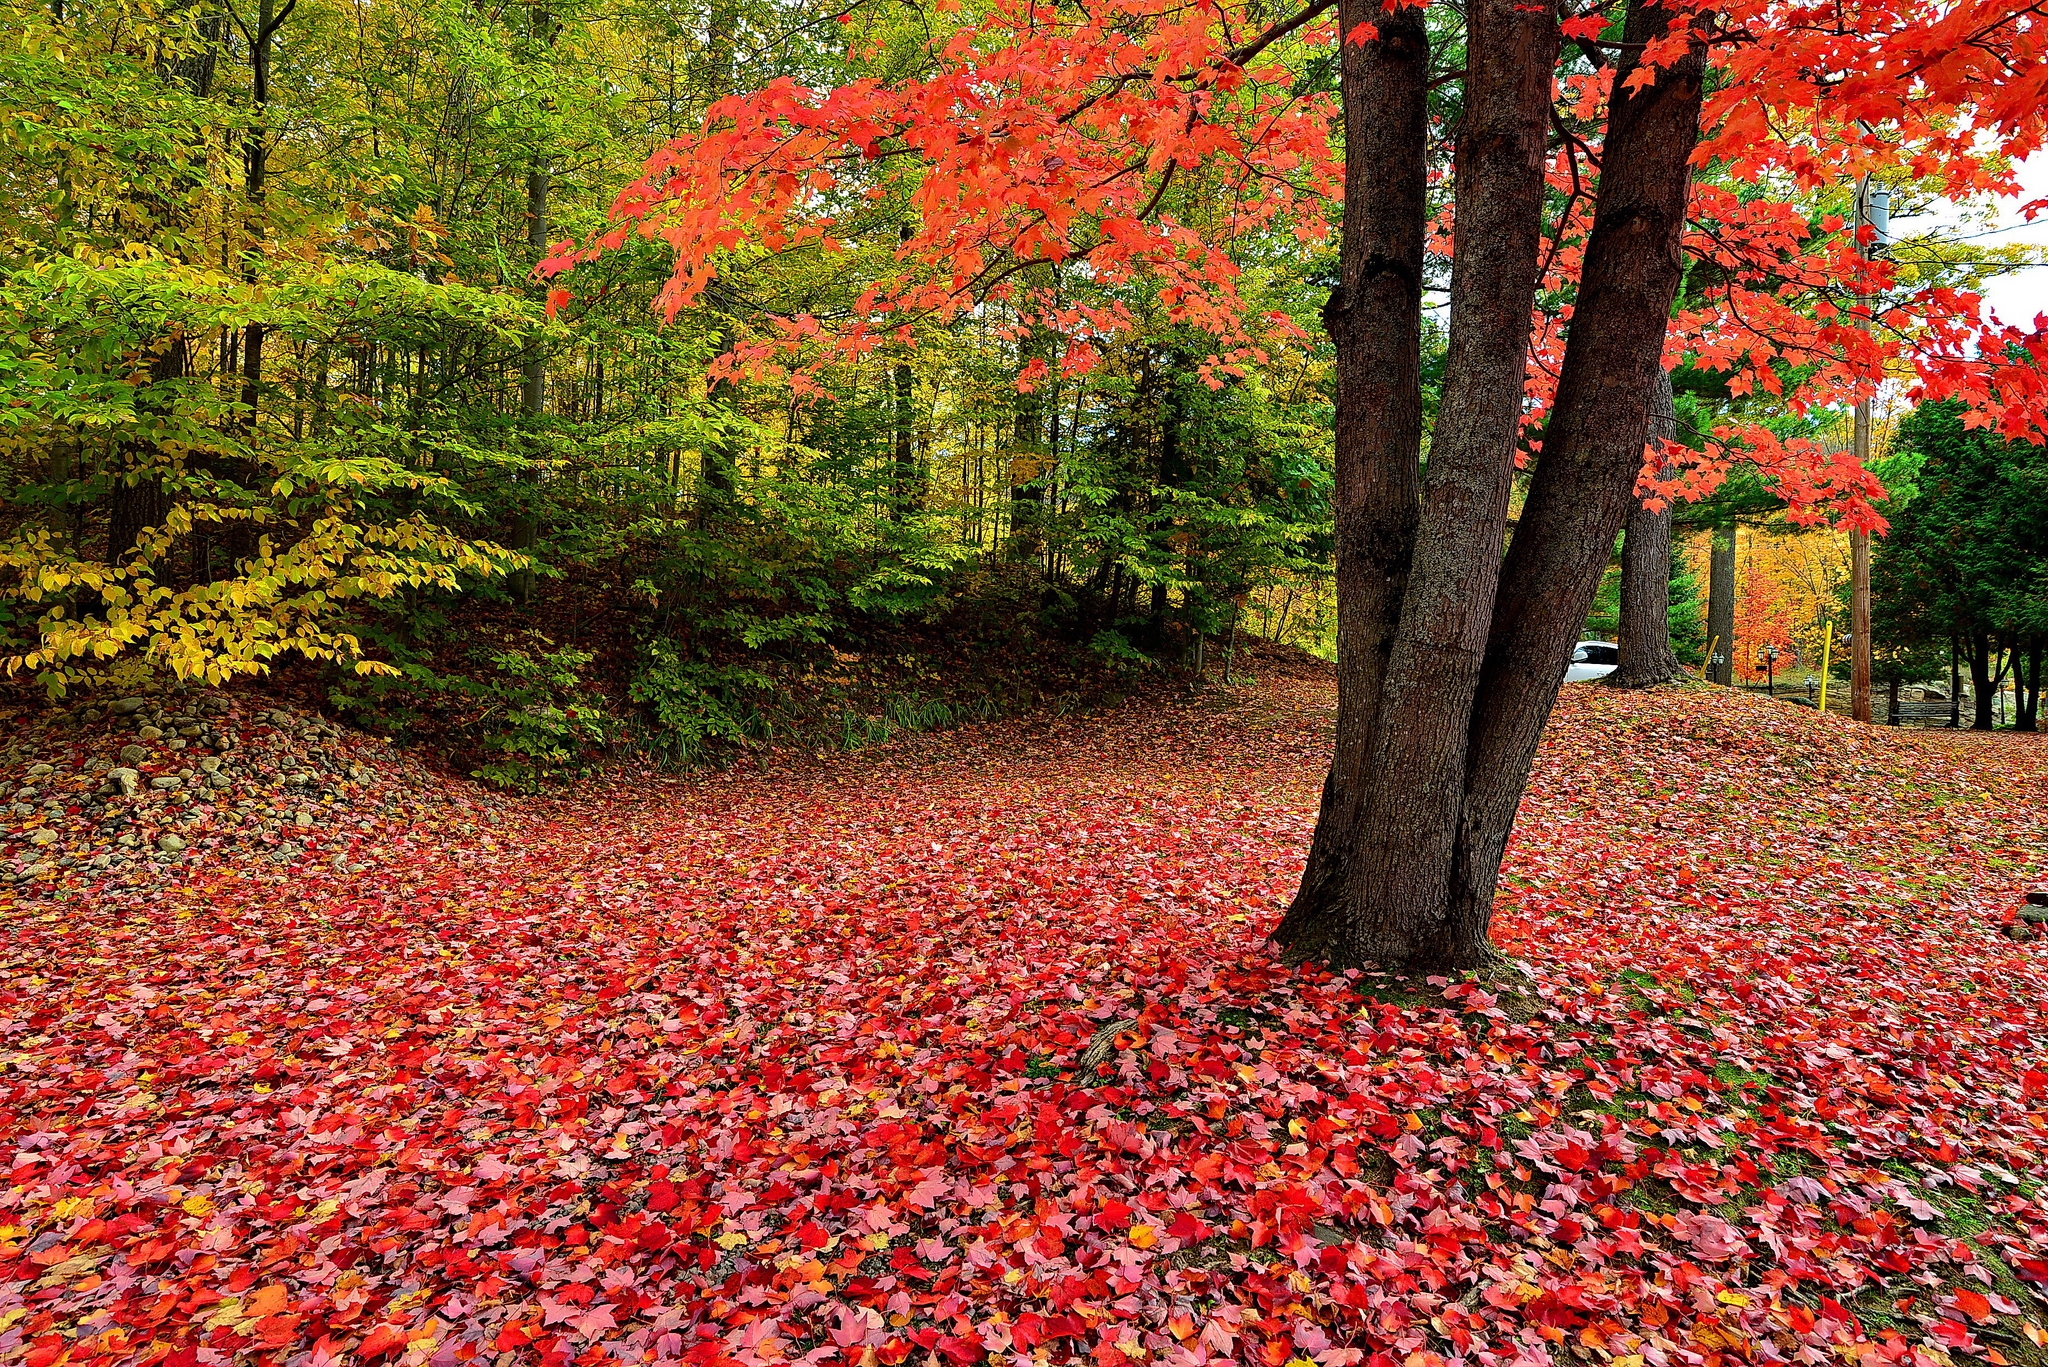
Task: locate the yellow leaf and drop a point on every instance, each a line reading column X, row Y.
column 1143, row 1236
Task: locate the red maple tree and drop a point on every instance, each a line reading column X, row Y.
column 1138, row 141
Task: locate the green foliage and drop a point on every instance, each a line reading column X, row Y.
column 691, row 706
column 225, row 548
column 543, row 724
column 1688, row 614
column 1967, row 556
column 426, row 458
column 1111, row 645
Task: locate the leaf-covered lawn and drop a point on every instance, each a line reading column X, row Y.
column 789, row 1066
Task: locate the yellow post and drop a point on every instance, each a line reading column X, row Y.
column 1706, row 668
column 1827, row 655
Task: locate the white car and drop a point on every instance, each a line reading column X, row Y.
column 1592, row 660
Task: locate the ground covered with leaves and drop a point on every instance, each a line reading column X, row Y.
column 969, row 1049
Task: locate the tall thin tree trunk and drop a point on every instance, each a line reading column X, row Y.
column 1172, row 475
column 138, row 500
column 909, row 487
column 1721, row 604
column 2027, row 689
column 1374, row 317
column 533, row 386
column 1978, row 645
column 1646, row 654
column 1396, row 885
column 1955, row 683
column 255, row 173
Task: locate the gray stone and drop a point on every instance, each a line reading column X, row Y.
column 2034, row 915
column 149, row 732
column 303, row 819
column 167, row 781
column 217, row 780
column 45, row 836
column 38, row 770
column 128, row 707
column 170, row 844
column 210, row 765
column 134, row 754
column 124, row 779
column 2019, row 930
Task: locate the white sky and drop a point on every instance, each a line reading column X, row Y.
column 2016, row 297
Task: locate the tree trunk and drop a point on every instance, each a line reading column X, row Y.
column 1721, row 605
column 533, row 389
column 1585, row 480
column 1646, row 654
column 1027, row 463
column 1398, row 877
column 1859, row 603
column 909, row 488
column 1374, row 317
column 1173, row 474
column 2027, row 689
column 138, row 500
column 255, row 171
column 1979, row 648
column 1955, row 685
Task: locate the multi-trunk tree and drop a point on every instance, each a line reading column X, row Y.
column 1140, row 150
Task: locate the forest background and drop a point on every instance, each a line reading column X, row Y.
column 280, row 389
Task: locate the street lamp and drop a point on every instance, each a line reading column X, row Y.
column 1768, row 658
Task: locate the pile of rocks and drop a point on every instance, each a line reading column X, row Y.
column 2032, row 920
column 144, row 787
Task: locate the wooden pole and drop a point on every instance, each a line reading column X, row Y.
column 1859, row 541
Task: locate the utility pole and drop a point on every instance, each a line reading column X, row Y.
column 1874, row 207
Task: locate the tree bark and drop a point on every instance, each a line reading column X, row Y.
column 255, row 172
column 533, row 387
column 138, row 500
column 1398, row 878
column 1955, row 685
column 1978, row 647
column 1374, row 317
column 1592, row 458
column 909, row 488
column 1646, row 654
column 2027, row 689
column 1859, row 604
column 1721, row 605
column 1173, row 474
